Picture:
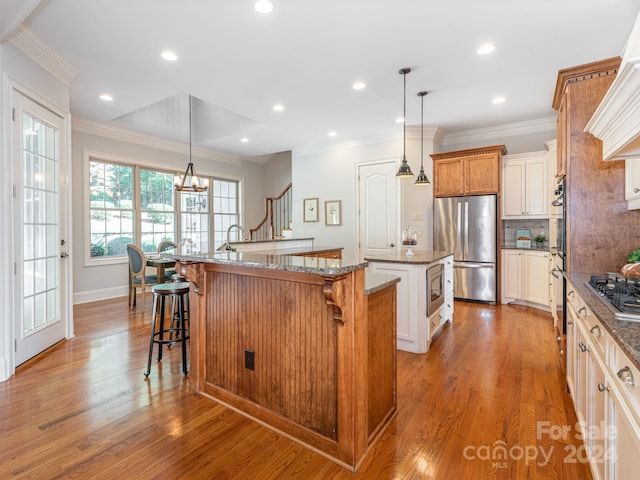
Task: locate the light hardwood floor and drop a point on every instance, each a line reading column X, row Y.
column 84, row 410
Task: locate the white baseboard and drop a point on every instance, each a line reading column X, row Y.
column 4, row 373
column 102, row 294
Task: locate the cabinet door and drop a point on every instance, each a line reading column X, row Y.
column 513, row 188
column 448, row 177
column 482, row 174
column 595, row 440
column 624, row 435
column 512, row 274
column 580, row 377
column 572, row 352
column 632, row 183
column 562, row 140
column 536, row 277
column 536, row 191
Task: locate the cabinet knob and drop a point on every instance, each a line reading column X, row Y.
column 636, row 190
column 433, row 324
column 602, row 388
column 595, row 331
column 582, row 347
column 626, row 376
column 391, row 245
column 569, row 322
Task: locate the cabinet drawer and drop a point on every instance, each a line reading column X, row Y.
column 627, row 378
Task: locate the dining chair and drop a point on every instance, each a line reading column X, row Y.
column 137, row 274
column 163, row 247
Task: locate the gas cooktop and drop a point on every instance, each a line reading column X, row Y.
column 621, row 294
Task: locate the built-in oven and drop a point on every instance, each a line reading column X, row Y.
column 560, row 219
column 435, row 288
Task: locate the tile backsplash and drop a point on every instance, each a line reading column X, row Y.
column 537, row 227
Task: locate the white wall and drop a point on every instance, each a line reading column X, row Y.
column 331, row 175
column 92, row 282
column 16, row 67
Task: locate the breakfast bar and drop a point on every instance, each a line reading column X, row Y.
column 303, row 344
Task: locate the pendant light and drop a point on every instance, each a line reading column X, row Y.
column 193, row 183
column 405, row 170
column 422, row 177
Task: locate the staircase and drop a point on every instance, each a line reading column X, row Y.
column 277, row 216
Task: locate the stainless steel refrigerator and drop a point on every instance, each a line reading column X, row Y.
column 467, row 226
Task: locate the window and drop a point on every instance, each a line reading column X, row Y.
column 158, row 217
column 111, row 208
column 132, row 204
column 225, row 211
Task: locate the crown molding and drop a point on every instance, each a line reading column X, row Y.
column 123, row 135
column 32, row 46
column 500, row 131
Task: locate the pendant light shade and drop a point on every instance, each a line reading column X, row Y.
column 405, row 170
column 189, row 182
column 422, row 177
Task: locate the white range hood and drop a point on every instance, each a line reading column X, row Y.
column 616, row 121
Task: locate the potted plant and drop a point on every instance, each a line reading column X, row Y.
column 539, row 239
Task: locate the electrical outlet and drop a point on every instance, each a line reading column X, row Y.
column 249, row 359
column 417, row 216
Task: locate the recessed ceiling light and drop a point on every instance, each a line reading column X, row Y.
column 263, row 6
column 333, row 133
column 169, row 56
column 486, row 49
column 359, row 85
column 400, row 120
column 278, row 107
column 244, row 140
column 105, row 97
column 498, row 100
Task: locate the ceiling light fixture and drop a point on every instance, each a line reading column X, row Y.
column 422, row 177
column 333, row 133
column 169, row 56
column 193, row 183
column 105, row 97
column 263, row 6
column 244, row 140
column 498, row 100
column 278, row 107
column 405, row 170
column 486, row 49
column 359, row 85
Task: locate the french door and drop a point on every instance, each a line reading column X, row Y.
column 40, row 302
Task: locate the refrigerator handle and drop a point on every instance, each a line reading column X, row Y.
column 460, row 232
column 466, row 230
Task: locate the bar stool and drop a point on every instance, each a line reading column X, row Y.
column 177, row 291
column 175, row 316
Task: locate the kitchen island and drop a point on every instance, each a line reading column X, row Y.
column 424, row 305
column 305, row 345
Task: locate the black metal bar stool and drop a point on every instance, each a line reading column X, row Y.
column 175, row 317
column 178, row 291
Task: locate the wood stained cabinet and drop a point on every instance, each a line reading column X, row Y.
column 467, row 172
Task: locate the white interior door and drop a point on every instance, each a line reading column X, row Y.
column 39, row 290
column 378, row 228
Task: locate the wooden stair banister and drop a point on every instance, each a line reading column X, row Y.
column 277, row 216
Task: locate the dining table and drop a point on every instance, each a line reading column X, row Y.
column 161, row 264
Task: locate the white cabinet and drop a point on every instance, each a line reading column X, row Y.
column 525, row 185
column 414, row 328
column 632, row 184
column 525, row 277
column 602, row 381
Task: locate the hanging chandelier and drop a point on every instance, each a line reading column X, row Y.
column 422, row 177
column 405, row 170
column 189, row 182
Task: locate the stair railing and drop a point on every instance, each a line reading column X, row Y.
column 277, row 216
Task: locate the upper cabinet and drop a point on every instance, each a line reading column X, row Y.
column 525, row 191
column 467, row 172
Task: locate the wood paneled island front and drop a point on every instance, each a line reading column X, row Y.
column 303, row 345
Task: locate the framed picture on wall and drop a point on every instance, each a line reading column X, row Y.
column 333, row 213
column 310, row 209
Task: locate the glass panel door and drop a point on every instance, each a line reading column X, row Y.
column 38, row 258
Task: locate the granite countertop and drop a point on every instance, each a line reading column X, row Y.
column 374, row 282
column 419, row 257
column 277, row 260
column 625, row 333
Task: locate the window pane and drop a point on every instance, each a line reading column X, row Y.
column 111, row 208
column 158, row 214
column 225, row 211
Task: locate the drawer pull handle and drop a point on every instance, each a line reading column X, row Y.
column 433, row 324
column 582, row 311
column 582, row 346
column 595, row 331
column 570, row 294
column 626, row 376
column 602, row 388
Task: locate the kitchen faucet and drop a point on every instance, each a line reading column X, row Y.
column 227, row 246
